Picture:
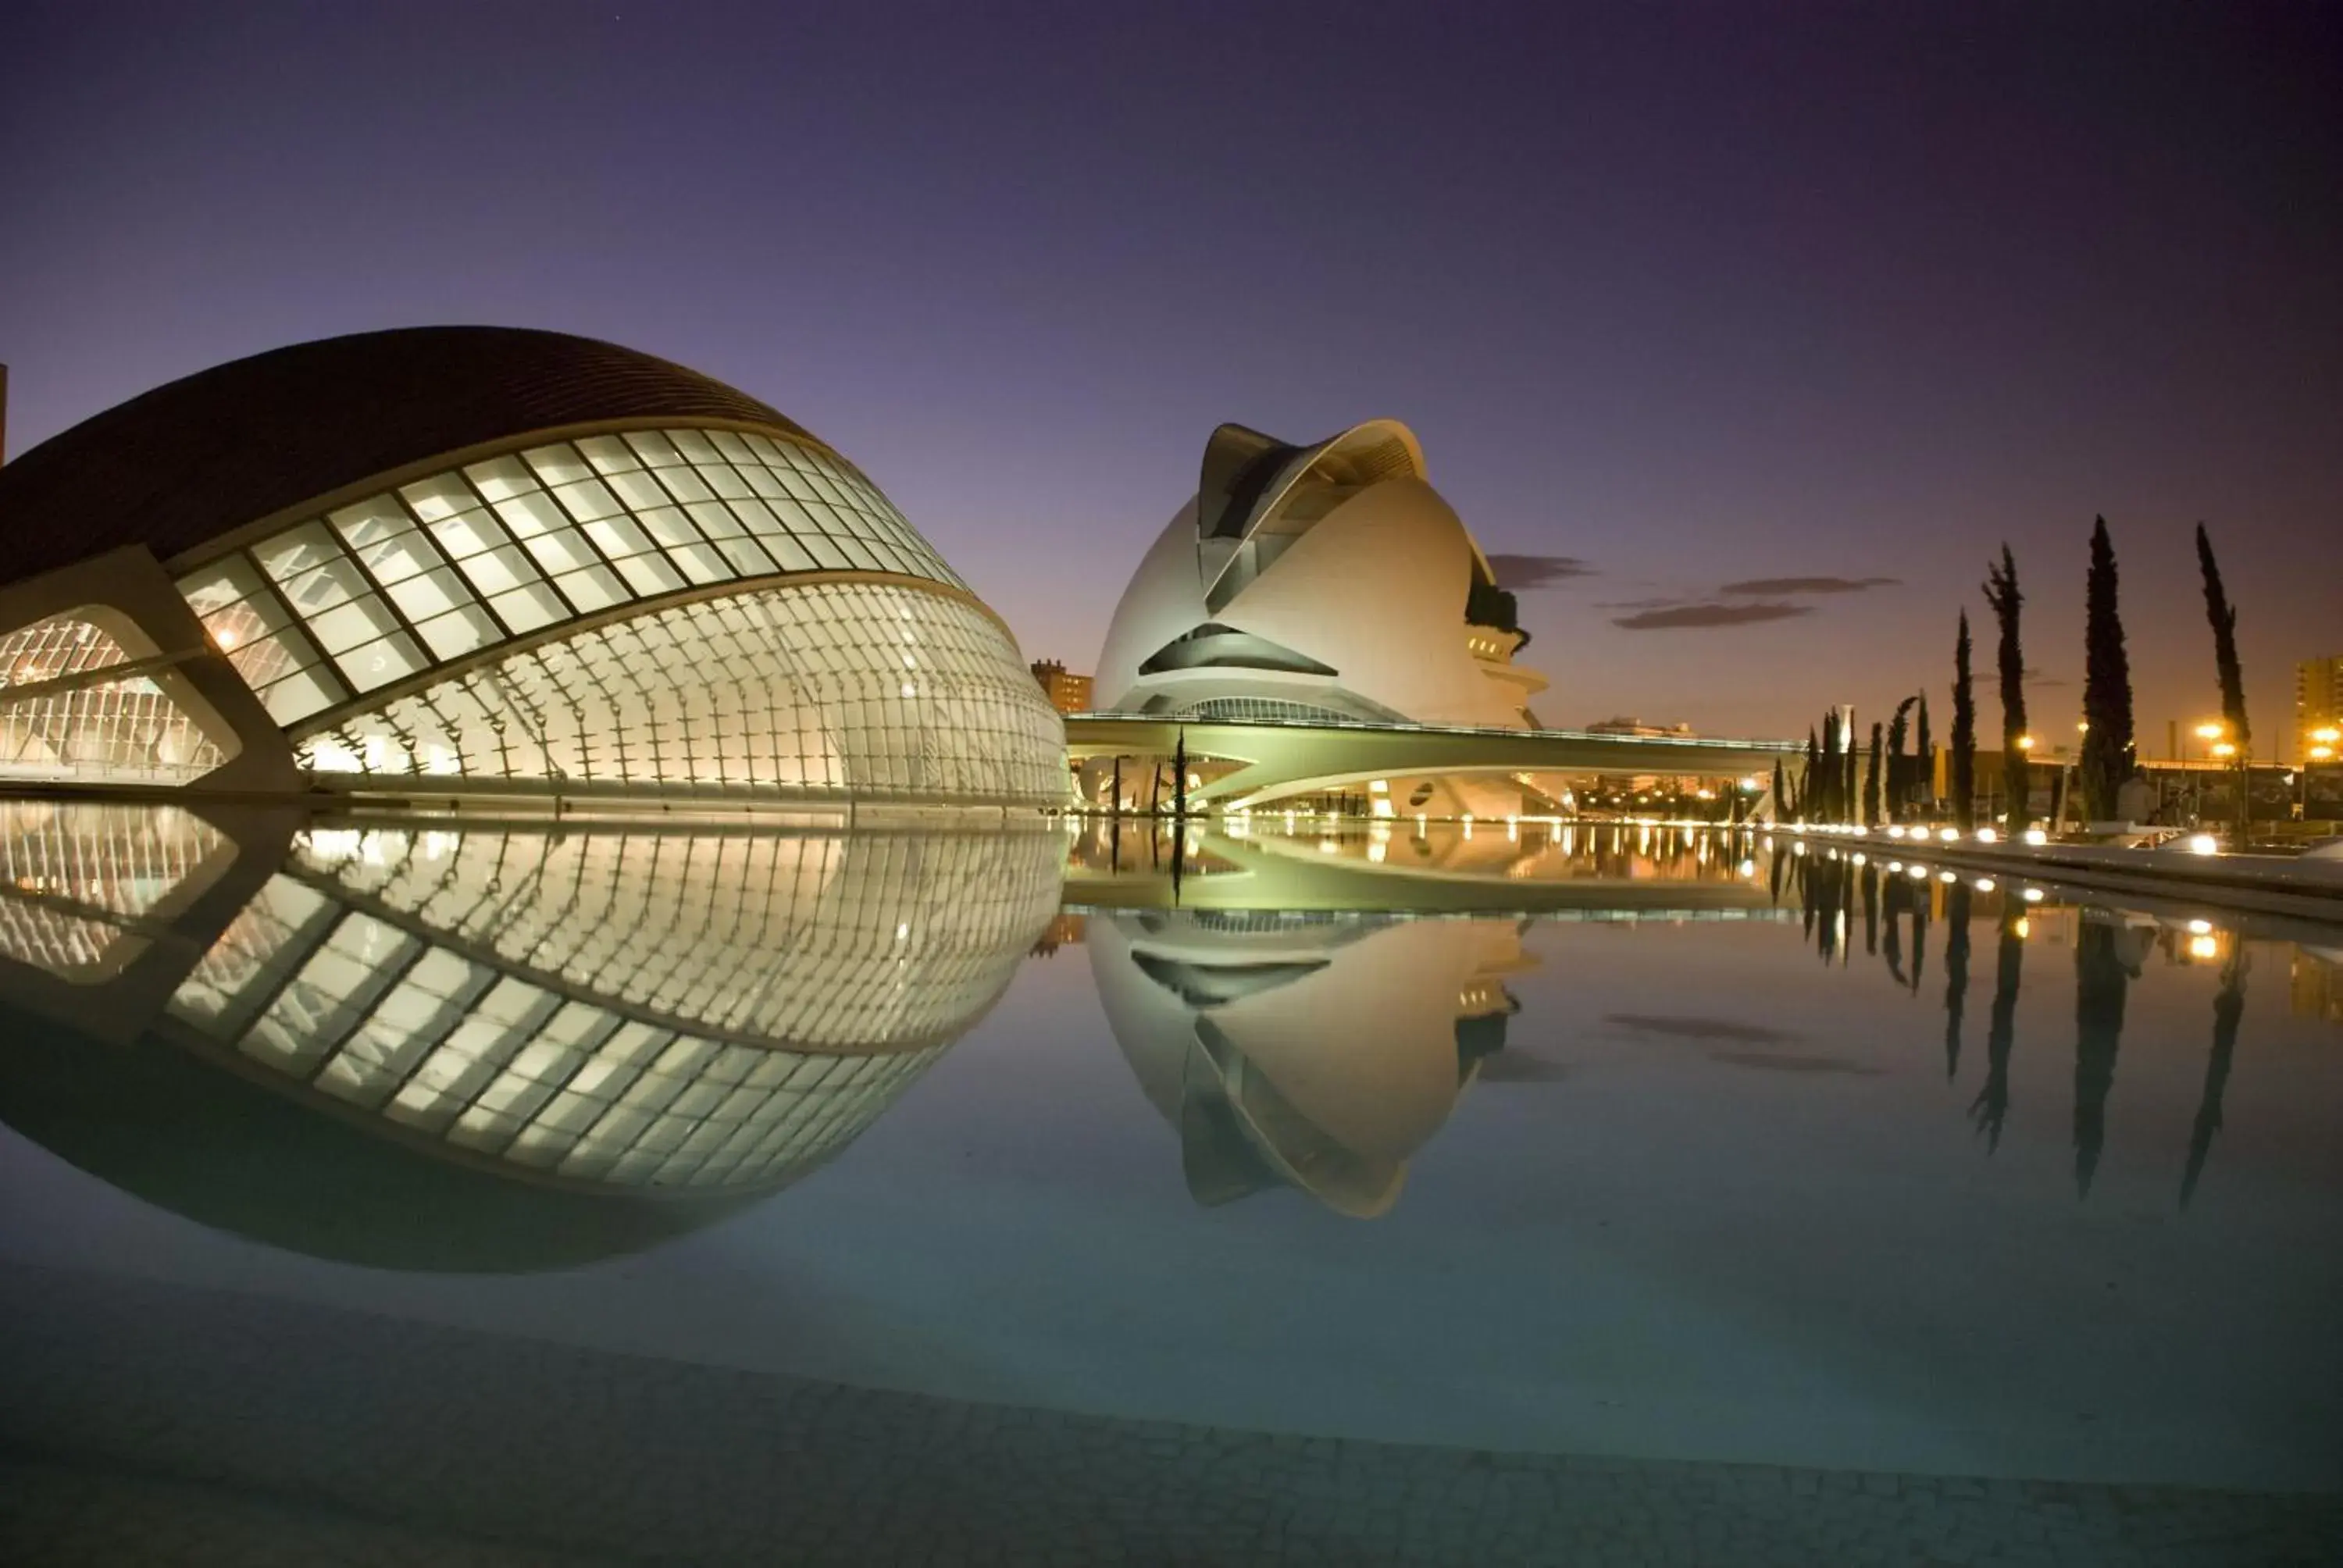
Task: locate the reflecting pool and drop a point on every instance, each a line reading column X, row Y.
column 1315, row 1191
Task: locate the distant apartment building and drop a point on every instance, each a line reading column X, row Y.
column 1067, row 693
column 2317, row 705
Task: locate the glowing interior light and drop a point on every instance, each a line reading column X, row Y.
column 2200, row 927
column 2204, row 947
column 1948, row 876
column 2204, row 844
column 1985, row 884
column 2037, row 836
column 2033, row 895
column 1987, row 836
column 1895, row 832
column 1919, row 874
column 1950, row 835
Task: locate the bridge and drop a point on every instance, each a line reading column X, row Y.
column 1279, row 758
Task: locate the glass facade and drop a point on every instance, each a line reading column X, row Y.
column 438, row 570
column 124, row 729
column 626, row 1009
column 77, row 881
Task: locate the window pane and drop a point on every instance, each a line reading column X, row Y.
column 686, row 483
column 670, row 526
column 527, row 608
column 469, row 535
column 655, row 449
column 763, row 446
column 219, row 585
column 452, row 636
column 499, row 570
column 588, row 499
column 650, row 574
column 746, row 558
column 826, row 553
column 639, row 490
column 701, row 563
column 715, row 519
column 762, row 481
column 348, row 624
column 393, row 558
column 295, row 550
column 695, row 446
column 618, row 537
column 757, row 517
column 735, row 450
column 380, row 663
column 597, row 589
column 320, row 588
column 724, row 480
column 501, row 478
column 376, row 517
column 559, row 464
column 562, row 551
column 608, row 454
column 531, row 514
column 441, row 496
column 434, row 593
column 299, row 696
column 791, row 553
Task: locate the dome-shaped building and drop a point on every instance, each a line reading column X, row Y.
column 1328, row 581
column 483, row 559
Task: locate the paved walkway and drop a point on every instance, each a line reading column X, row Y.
column 142, row 1422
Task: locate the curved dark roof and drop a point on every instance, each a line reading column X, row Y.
column 201, row 456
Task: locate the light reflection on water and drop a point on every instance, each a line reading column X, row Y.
column 1669, row 1143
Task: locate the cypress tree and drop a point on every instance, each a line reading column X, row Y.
column 1871, row 788
column 1964, row 768
column 1781, row 801
column 1927, row 749
column 2224, row 616
column 1898, row 786
column 2108, row 753
column 1813, row 781
column 2001, row 593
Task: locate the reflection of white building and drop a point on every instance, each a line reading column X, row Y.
column 1323, row 581
column 1319, row 1053
column 683, row 1017
column 472, row 558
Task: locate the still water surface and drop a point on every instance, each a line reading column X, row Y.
column 1602, row 1140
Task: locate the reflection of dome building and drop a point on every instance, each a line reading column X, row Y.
column 496, row 1047
column 472, row 557
column 1320, row 1053
column 1316, row 582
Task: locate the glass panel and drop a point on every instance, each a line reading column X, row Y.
column 757, row 517
column 763, row 446
column 639, row 490
column 441, row 496
column 608, row 454
column 434, row 593
column 686, row 485
column 655, row 449
column 791, row 553
column 453, row 636
column 376, row 517
column 701, row 563
column 219, row 585
column 501, row 478
column 762, row 481
column 297, row 696
column 650, row 574
column 715, row 519
column 534, row 513
column 393, row 558
column 468, row 535
column 559, row 464
column 527, row 608
column 826, row 553
column 348, row 624
column 596, row 590
column 695, row 446
column 588, row 499
column 499, row 570
column 380, row 663
column 618, row 538
column 563, row 552
column 724, row 480
column 744, row 555
column 670, row 526
column 735, row 449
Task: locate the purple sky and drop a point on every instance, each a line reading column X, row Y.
column 1695, row 295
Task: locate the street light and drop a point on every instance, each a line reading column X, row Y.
column 2223, row 749
column 2025, row 743
column 2208, row 731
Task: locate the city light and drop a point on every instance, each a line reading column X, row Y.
column 2204, row 947
column 1987, row 836
column 2033, row 895
column 2204, row 844
column 2327, row 735
column 2200, row 927
column 2225, row 750
column 1985, row 884
column 2025, row 743
column 2037, row 836
column 2208, row 731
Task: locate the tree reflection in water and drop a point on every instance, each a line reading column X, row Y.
column 1991, row 1107
column 2228, row 1009
column 2101, row 981
column 1956, row 975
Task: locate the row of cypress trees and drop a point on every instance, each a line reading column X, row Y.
column 1830, row 791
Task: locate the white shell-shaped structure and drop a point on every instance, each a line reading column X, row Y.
column 1317, row 582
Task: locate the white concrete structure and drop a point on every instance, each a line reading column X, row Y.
column 1326, row 581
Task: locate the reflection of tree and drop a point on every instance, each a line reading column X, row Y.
column 1896, row 895
column 1870, row 906
column 1991, row 1107
column 2229, row 1008
column 1956, row 974
column 1920, row 939
column 2101, row 982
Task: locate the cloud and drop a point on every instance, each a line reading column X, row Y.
column 1692, row 614
column 2036, row 678
column 1538, row 571
column 1661, row 603
column 1773, row 587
